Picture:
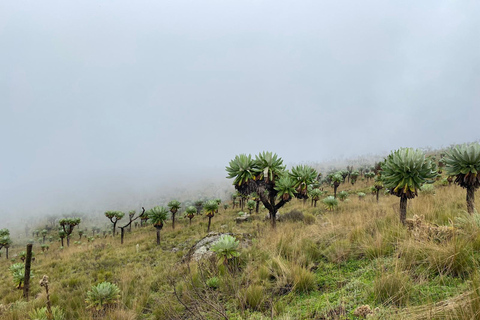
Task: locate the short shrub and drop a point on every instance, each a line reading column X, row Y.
column 330, row 203
column 343, row 195
column 309, row 218
column 294, row 215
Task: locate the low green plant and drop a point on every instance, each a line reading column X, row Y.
column 213, row 282
column 103, row 296
column 41, row 314
column 343, row 195
column 361, row 195
column 18, row 274
column 330, row 203
column 427, row 189
column 226, row 248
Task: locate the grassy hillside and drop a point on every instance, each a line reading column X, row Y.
column 317, row 265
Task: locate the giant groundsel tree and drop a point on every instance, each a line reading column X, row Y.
column 404, row 172
column 463, row 162
column 157, row 216
column 267, row 177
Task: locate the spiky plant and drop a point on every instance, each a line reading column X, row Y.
column 378, row 185
column 353, row 176
column 191, row 210
column 251, row 205
column 265, row 175
column 18, row 273
column 61, row 235
column 5, row 241
column 315, row 194
column 330, row 203
column 463, row 162
column 210, row 207
column 343, row 195
column 42, row 314
column 303, row 176
column 68, row 224
column 44, row 233
column 101, row 297
column 199, row 205
column 226, row 248
column 173, row 205
column 157, row 215
column 114, row 216
column 404, row 172
column 369, row 175
column 336, row 179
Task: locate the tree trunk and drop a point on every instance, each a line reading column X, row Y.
column 258, row 205
column 68, row 241
column 6, row 252
column 114, row 227
column 315, row 204
column 403, row 209
column 335, row 186
column 209, row 222
column 122, row 233
column 378, row 191
column 190, row 221
column 173, row 220
column 158, row 237
column 62, row 241
column 28, row 264
column 470, row 200
column 273, row 216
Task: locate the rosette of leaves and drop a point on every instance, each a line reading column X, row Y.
column 114, row 216
column 173, row 205
column 315, row 194
column 404, row 172
column 210, row 207
column 251, row 205
column 42, row 314
column 103, row 296
column 191, row 210
column 336, row 179
column 303, row 176
column 285, row 188
column 343, row 195
column 226, row 248
column 157, row 215
column 463, row 162
column 361, row 195
column 68, row 224
column 353, row 176
column 243, row 169
column 330, row 203
column 18, row 273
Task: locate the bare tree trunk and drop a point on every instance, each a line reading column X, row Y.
column 273, row 216
column 209, row 222
column 173, row 220
column 68, row 241
column 403, row 209
column 335, row 186
column 28, row 264
column 114, row 227
column 258, row 205
column 378, row 192
column 315, row 204
column 62, row 241
column 6, row 252
column 470, row 200
column 122, row 233
column 158, row 237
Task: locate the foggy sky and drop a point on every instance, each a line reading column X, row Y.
column 114, row 98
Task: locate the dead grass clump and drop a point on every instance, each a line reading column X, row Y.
column 422, row 230
column 392, row 288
